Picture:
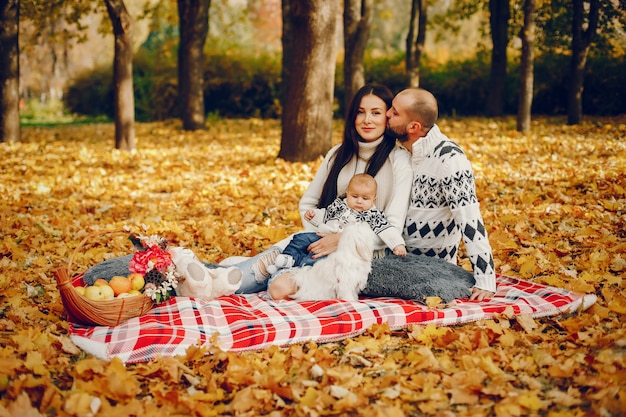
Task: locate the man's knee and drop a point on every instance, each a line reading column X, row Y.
column 281, row 287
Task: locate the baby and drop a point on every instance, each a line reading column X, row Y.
column 357, row 206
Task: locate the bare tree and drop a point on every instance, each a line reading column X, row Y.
column 123, row 75
column 526, row 79
column 357, row 18
column 193, row 28
column 415, row 41
column 499, row 14
column 581, row 42
column 9, row 71
column 308, row 77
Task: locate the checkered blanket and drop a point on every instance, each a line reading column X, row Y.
column 250, row 322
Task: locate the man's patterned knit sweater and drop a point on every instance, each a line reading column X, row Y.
column 444, row 207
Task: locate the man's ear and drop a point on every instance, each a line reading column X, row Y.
column 414, row 127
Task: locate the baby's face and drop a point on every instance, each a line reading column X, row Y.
column 361, row 197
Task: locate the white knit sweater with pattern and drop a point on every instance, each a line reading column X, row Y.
column 444, row 207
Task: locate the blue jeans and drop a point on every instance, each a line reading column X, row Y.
column 249, row 283
column 297, row 249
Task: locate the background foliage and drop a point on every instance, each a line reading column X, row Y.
column 237, row 85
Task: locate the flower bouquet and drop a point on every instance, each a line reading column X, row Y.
column 154, row 262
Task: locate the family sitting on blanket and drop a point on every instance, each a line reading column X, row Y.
column 426, row 188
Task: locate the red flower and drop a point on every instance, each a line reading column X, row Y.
column 160, row 260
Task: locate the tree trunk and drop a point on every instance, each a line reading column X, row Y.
column 581, row 42
column 194, row 27
column 9, row 71
column 123, row 75
column 357, row 17
column 308, row 72
column 526, row 80
column 499, row 14
column 415, row 41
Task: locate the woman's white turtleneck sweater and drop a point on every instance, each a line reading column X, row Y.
column 394, row 181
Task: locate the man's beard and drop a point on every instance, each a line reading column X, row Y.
column 402, row 137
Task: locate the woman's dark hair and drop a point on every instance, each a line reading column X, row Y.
column 350, row 146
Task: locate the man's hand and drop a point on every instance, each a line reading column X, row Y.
column 325, row 246
column 480, row 295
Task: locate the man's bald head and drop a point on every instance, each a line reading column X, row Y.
column 421, row 105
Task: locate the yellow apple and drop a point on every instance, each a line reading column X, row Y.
column 137, row 281
column 135, row 292
column 94, row 293
column 120, row 285
column 123, row 295
column 107, row 291
column 80, row 290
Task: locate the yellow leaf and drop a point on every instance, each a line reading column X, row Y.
column 88, row 367
column 618, row 304
column 507, row 339
column 527, row 322
column 67, row 345
column 81, row 404
column 433, row 302
column 493, row 326
column 528, row 266
column 272, row 233
column 581, row 286
column 531, row 401
column 21, row 406
column 120, row 384
column 36, row 363
column 310, row 398
column 508, row 409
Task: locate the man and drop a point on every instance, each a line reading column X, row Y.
column 443, row 208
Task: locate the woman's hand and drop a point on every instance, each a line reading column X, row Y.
column 325, row 246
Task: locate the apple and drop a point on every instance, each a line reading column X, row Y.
column 135, row 292
column 94, row 292
column 137, row 281
column 100, row 281
column 99, row 292
column 80, row 290
column 107, row 291
column 120, row 285
column 123, row 295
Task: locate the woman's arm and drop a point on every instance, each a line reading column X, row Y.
column 313, row 193
column 397, row 207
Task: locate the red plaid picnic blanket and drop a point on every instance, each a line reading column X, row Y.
column 253, row 322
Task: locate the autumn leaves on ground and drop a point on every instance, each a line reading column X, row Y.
column 554, row 202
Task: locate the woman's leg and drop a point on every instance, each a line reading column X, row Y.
column 254, row 271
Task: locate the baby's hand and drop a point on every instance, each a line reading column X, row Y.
column 309, row 214
column 399, row 250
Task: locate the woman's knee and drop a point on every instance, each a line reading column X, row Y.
column 281, row 287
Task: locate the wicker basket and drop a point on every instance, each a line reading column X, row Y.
column 81, row 310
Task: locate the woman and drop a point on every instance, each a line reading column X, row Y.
column 365, row 148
